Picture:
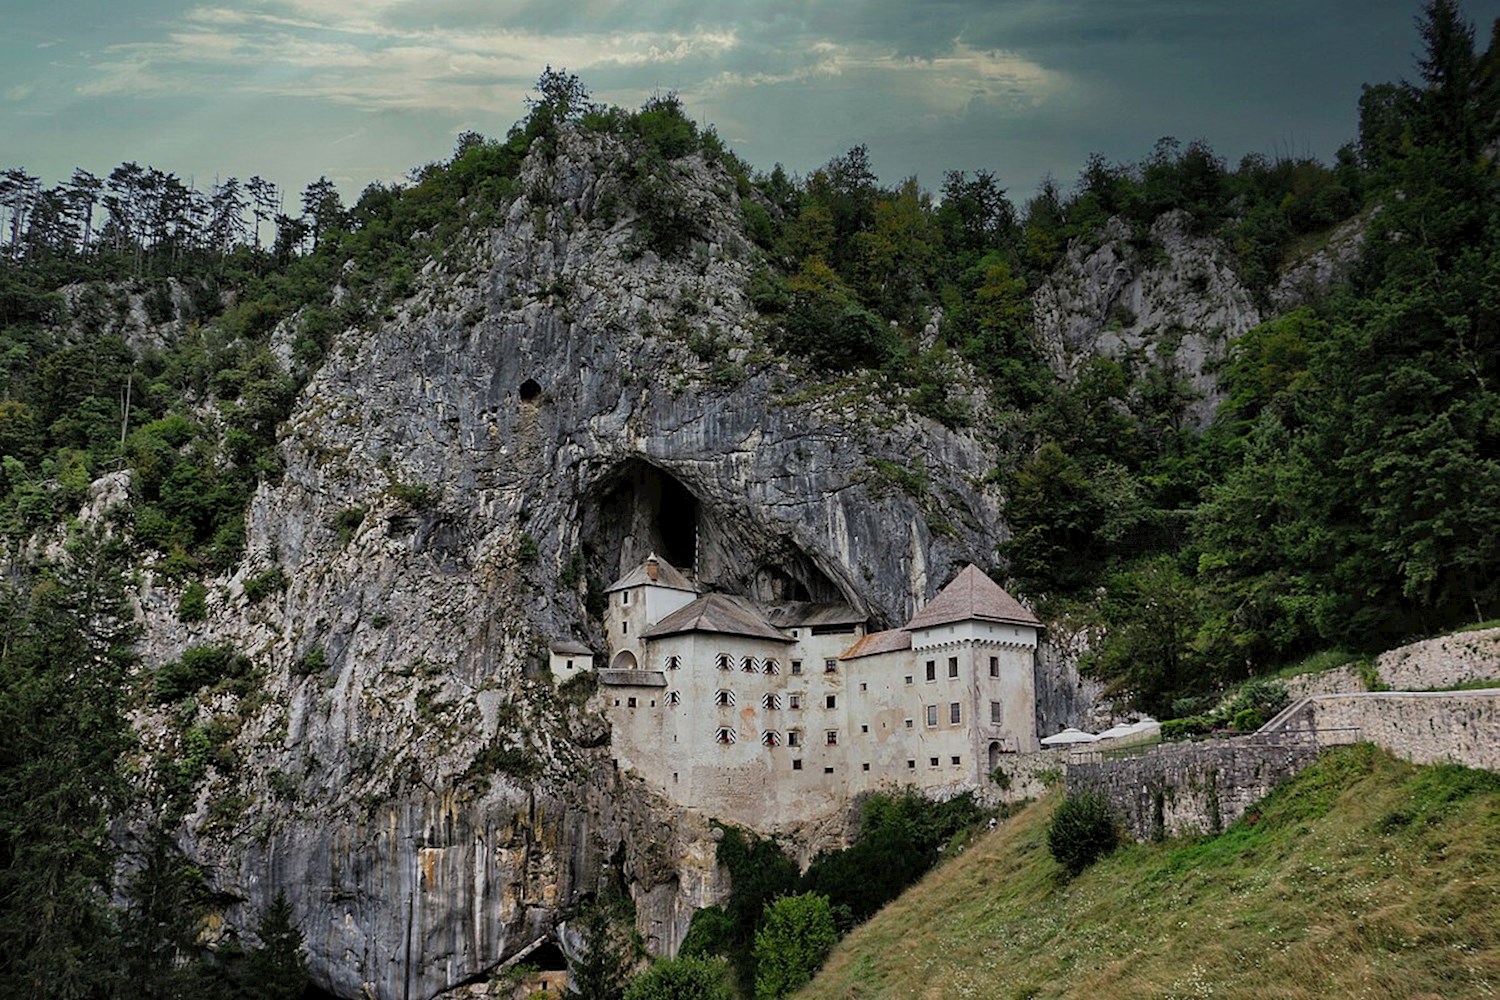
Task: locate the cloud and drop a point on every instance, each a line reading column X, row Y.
column 19, row 92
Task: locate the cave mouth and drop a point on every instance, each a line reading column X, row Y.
column 548, row 957
column 531, row 391
column 638, row 510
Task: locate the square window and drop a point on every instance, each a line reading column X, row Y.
column 832, row 701
column 908, row 723
column 911, row 764
column 796, row 666
column 864, row 767
column 994, row 666
column 794, row 737
column 570, row 664
column 932, row 761
column 830, row 666
column 796, row 765
column 955, row 760
column 864, row 729
column 955, row 713
column 952, row 666
column 863, row 686
column 932, row 670
column 932, row 715
column 832, row 737
column 794, row 701
column 908, row 678
column 630, row 703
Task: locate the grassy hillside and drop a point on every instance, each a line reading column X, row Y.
column 1365, row 876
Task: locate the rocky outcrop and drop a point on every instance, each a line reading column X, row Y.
column 1310, row 276
column 556, row 400
column 1171, row 299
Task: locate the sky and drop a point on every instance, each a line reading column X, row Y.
column 365, row 90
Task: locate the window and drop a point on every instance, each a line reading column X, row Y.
column 932, row 715
column 796, row 666
column 911, row 765
column 955, row 713
column 724, row 698
column 932, row 670
column 796, row 765
column 830, row 666
column 794, row 737
column 932, row 761
column 864, row 729
column 994, row 666
column 748, row 664
column 995, row 711
column 630, row 703
column 674, row 663
column 570, row 664
column 908, row 723
column 624, row 628
column 863, row 686
column 955, row 761
column 952, row 666
column 674, row 698
column 624, row 598
column 794, row 701
column 771, row 701
column 771, row 738
column 864, row 767
column 771, row 667
column 723, row 662
column 725, row 735
column 831, row 738
column 908, row 678
column 827, row 770
column 832, row 701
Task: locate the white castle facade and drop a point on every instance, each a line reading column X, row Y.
column 773, row 715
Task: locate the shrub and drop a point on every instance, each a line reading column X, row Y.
column 198, row 667
column 1082, row 832
column 259, row 586
column 346, row 522
column 1193, row 725
column 1247, row 720
column 193, row 606
column 314, row 661
column 794, row 939
column 683, row 978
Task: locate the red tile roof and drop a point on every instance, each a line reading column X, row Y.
column 971, row 596
column 878, row 642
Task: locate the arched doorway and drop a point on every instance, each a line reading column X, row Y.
column 994, row 754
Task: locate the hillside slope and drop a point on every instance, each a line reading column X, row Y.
column 1365, row 876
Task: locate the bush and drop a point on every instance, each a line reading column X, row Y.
column 1193, row 725
column 1082, row 832
column 683, row 978
column 314, row 661
column 794, row 939
column 193, row 606
column 198, row 667
column 259, row 586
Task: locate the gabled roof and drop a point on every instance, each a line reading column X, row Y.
column 878, row 642
column 570, row 647
column 971, row 596
column 717, row 613
column 666, row 576
column 813, row 615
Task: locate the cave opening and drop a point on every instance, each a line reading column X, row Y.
column 531, row 391
column 547, row 957
column 639, row 510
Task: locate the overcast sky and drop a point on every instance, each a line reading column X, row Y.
column 363, row 90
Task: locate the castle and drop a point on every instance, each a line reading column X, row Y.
column 747, row 711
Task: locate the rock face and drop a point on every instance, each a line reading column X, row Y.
column 1175, row 300
column 461, row 480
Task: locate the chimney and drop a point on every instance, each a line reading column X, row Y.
column 653, row 568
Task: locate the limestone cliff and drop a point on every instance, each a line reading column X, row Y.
column 461, row 478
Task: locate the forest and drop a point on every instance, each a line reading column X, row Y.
column 1344, row 498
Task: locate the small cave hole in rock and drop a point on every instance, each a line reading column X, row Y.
column 547, row 957
column 531, row 391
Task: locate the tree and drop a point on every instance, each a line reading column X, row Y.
column 683, row 978
column 1082, row 832
column 601, row 972
column 795, row 937
column 277, row 970
column 322, row 209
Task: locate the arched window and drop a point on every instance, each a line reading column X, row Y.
column 771, row 701
column 725, row 735
column 770, row 738
column 725, row 698
column 674, row 663
column 770, row 666
column 674, row 698
column 748, row 665
column 724, row 662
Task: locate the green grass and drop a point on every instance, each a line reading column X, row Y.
column 1364, row 876
column 1317, row 663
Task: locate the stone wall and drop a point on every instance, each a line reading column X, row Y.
column 1444, row 662
column 1179, row 789
column 1433, row 727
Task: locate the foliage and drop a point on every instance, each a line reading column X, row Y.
column 259, row 586
column 1082, row 832
column 683, row 978
column 602, row 971
column 198, row 667
column 797, row 934
column 193, row 605
column 277, row 969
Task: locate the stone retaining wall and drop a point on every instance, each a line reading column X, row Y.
column 1458, row 727
column 1444, row 662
